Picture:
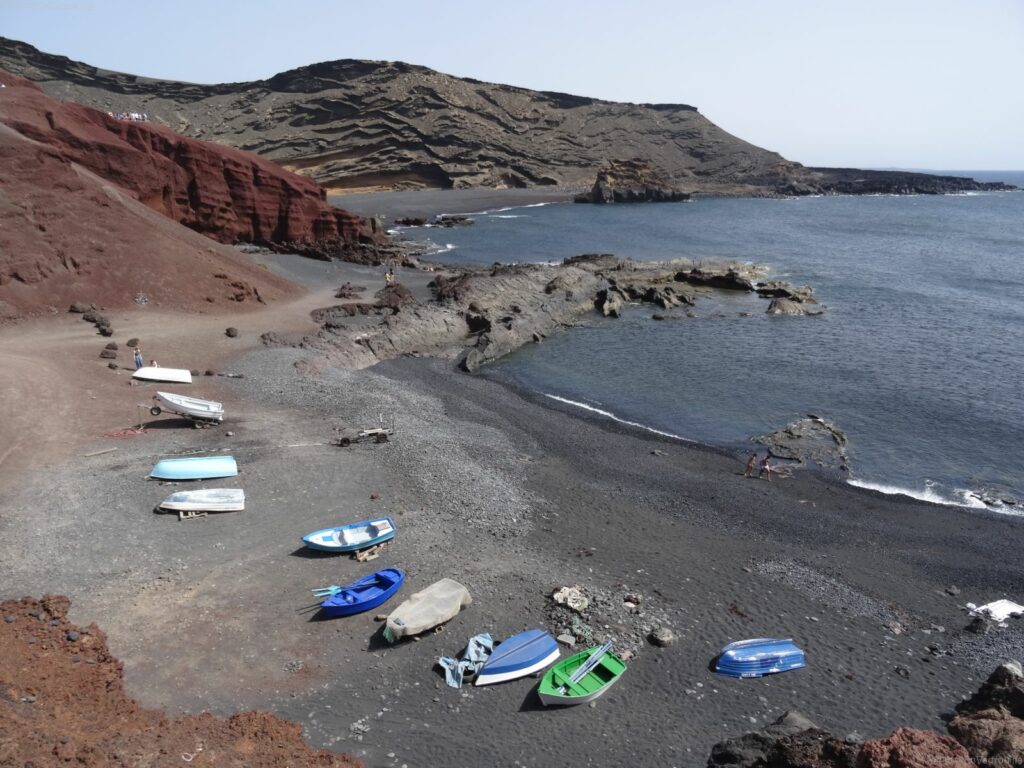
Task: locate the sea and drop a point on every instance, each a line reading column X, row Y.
column 918, row 358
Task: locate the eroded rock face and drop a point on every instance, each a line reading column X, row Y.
column 632, row 181
column 226, row 194
column 913, row 748
column 991, row 723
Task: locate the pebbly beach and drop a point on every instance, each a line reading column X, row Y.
column 514, row 496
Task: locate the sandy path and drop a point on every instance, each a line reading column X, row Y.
column 59, row 396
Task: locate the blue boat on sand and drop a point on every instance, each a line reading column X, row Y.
column 362, row 595
column 759, row 657
column 197, row 468
column 524, row 654
column 348, row 538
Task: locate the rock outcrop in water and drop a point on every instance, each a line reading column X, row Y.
column 632, row 181
column 387, row 125
column 811, row 438
column 481, row 315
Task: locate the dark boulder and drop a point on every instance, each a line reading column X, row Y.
column 990, row 724
column 108, row 354
column 231, row 332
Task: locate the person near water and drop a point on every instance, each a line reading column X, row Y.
column 751, row 463
column 766, row 469
column 138, row 358
column 389, row 276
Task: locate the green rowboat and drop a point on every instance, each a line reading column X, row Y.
column 558, row 688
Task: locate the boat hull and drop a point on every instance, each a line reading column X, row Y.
column 555, row 689
column 349, row 538
column 190, row 407
column 519, row 656
column 174, row 375
column 759, row 657
column 199, row 468
column 367, row 593
column 207, row 500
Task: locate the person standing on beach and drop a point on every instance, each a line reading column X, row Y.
column 766, row 469
column 751, row 463
column 138, row 358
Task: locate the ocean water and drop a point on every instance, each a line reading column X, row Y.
column 919, row 357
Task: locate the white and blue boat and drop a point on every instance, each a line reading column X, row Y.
column 359, row 596
column 759, row 657
column 348, row 538
column 197, row 468
column 524, row 654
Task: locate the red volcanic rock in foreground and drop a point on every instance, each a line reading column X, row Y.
column 62, row 702
column 91, row 210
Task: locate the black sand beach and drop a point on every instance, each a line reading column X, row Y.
column 514, row 497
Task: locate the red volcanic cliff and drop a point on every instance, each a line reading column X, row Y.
column 228, row 195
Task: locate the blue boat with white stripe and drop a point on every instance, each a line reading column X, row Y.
column 197, row 468
column 348, row 538
column 362, row 595
column 524, row 654
column 759, row 657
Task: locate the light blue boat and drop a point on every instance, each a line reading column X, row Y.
column 349, row 538
column 198, row 468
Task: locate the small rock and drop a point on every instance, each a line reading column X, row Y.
column 35, row 614
column 133, row 342
column 72, row 636
column 657, row 452
column 295, row 665
column 106, row 330
column 952, row 590
column 211, row 373
column 566, row 640
column 28, row 699
column 108, row 354
column 194, row 372
column 231, row 332
column 112, row 366
column 853, row 738
column 229, row 433
column 627, row 655
column 903, row 672
column 662, row 636
column 938, row 628
column 980, row 625
column 658, row 316
column 112, row 345
column 381, row 617
column 374, row 496
column 632, row 597
column 80, row 308
column 8, row 618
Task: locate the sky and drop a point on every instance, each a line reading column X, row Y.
column 928, row 84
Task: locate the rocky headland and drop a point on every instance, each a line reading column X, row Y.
column 479, row 315
column 370, row 125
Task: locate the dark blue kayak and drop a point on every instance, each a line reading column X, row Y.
column 524, row 654
column 369, row 592
column 759, row 657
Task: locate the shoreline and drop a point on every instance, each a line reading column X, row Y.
column 507, row 494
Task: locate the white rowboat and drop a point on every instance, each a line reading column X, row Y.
column 206, row 500
column 190, row 407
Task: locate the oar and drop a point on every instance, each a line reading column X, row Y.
column 587, row 665
column 326, row 591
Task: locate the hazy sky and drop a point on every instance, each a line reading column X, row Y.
column 900, row 83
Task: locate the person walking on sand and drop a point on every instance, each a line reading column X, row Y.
column 751, row 463
column 766, row 469
column 137, row 357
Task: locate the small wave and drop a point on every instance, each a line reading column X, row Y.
column 508, row 216
column 441, row 249
column 613, row 417
column 961, row 497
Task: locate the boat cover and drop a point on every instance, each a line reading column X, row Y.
column 426, row 609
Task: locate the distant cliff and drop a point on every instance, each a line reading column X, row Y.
column 384, row 125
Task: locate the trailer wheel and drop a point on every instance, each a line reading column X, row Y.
column 155, row 410
column 344, row 442
column 382, row 438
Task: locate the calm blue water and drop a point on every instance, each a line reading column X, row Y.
column 919, row 358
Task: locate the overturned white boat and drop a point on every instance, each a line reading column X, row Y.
column 189, row 407
column 206, row 500
column 155, row 373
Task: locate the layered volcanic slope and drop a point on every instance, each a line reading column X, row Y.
column 92, row 208
column 365, row 124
